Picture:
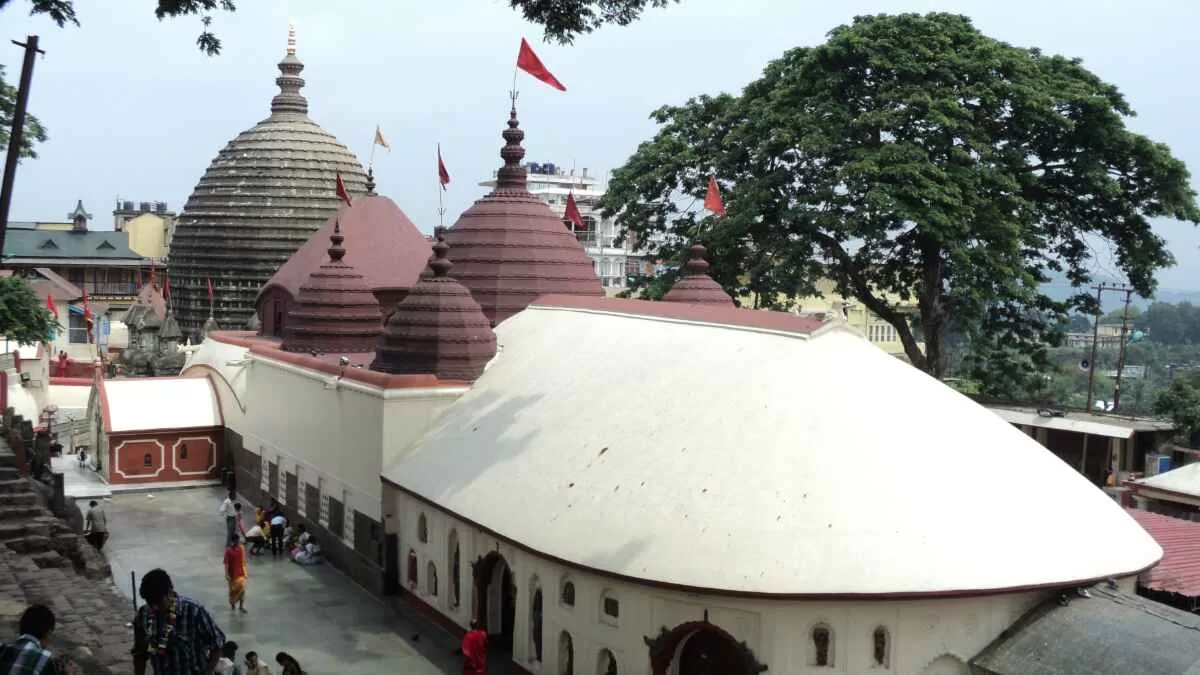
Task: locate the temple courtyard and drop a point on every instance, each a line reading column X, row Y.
column 315, row 613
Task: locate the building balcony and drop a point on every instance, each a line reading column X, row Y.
column 111, row 288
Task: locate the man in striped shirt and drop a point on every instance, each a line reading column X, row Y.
column 28, row 655
column 172, row 633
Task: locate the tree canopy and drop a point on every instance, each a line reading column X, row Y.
column 910, row 156
column 23, row 317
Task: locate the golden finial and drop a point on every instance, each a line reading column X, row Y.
column 291, row 39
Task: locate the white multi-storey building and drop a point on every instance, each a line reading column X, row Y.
column 615, row 263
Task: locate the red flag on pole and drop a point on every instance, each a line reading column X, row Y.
column 50, row 305
column 443, row 174
column 572, row 213
column 341, row 192
column 530, row 63
column 210, row 293
column 712, row 200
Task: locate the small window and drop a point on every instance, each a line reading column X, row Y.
column 568, row 592
column 183, row 451
column 822, row 646
column 566, row 654
column 880, row 652
column 422, row 529
column 431, row 579
column 412, row 569
column 535, row 620
column 146, row 460
column 454, row 561
column 607, row 664
column 610, row 606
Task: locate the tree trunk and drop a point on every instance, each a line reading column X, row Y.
column 933, row 314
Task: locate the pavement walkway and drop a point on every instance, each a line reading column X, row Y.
column 318, row 615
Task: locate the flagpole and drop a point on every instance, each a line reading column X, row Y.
column 441, row 189
column 371, row 159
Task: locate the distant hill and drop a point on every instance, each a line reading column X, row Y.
column 1060, row 290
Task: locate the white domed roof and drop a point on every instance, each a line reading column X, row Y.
column 753, row 460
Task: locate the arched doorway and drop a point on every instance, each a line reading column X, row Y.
column 497, row 600
column 700, row 648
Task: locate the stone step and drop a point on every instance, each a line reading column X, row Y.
column 15, row 485
column 18, row 499
column 50, row 560
column 10, row 513
column 29, row 544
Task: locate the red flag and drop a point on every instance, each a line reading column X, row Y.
column 50, row 305
column 712, row 200
column 530, row 63
column 443, row 174
column 166, row 285
column 341, row 193
column 572, row 213
column 210, row 293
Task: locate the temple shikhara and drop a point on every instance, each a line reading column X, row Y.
column 608, row 485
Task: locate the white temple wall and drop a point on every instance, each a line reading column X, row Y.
column 779, row 632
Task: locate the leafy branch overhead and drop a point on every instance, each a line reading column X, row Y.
column 933, row 174
column 23, row 317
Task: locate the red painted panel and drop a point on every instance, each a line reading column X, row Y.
column 169, row 461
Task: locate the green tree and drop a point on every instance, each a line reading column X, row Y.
column 23, row 317
column 1180, row 401
column 34, row 131
column 912, row 156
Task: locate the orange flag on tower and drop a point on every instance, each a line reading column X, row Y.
column 341, row 191
column 572, row 213
column 87, row 315
column 530, row 63
column 712, row 200
column 443, row 174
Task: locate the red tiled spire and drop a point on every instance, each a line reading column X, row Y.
column 335, row 311
column 509, row 247
column 437, row 329
column 696, row 286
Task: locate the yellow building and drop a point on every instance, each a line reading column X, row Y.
column 149, row 235
column 879, row 332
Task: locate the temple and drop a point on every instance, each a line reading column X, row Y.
column 462, row 433
column 263, row 196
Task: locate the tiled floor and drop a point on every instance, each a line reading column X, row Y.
column 315, row 613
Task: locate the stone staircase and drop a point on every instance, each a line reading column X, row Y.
column 28, row 528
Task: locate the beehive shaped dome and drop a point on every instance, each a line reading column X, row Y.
column 509, row 247
column 335, row 312
column 696, row 286
column 263, row 196
column 437, row 329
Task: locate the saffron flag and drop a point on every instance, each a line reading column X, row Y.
column 341, row 191
column 712, row 200
column 380, row 140
column 572, row 213
column 530, row 63
column 50, row 305
column 210, row 293
column 443, row 174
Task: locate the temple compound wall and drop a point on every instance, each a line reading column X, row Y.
column 317, row 449
column 451, row 569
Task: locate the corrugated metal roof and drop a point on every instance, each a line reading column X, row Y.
column 1179, row 569
column 1096, row 424
column 1110, row 633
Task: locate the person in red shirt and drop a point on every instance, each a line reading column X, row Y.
column 235, row 573
column 474, row 649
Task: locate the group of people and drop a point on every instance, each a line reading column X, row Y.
column 270, row 528
column 176, row 635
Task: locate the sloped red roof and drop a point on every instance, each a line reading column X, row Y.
column 1179, row 570
column 382, row 245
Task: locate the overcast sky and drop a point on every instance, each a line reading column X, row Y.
column 133, row 109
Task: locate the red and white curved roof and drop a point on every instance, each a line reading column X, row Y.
column 641, row 441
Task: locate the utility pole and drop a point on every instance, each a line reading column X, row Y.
column 1121, row 358
column 1096, row 338
column 16, row 135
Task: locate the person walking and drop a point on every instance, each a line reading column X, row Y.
column 95, row 527
column 236, row 574
column 229, row 511
column 277, row 524
column 174, row 634
column 474, row 650
column 28, row 655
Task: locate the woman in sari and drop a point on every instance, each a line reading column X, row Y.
column 236, row 574
column 474, row 650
